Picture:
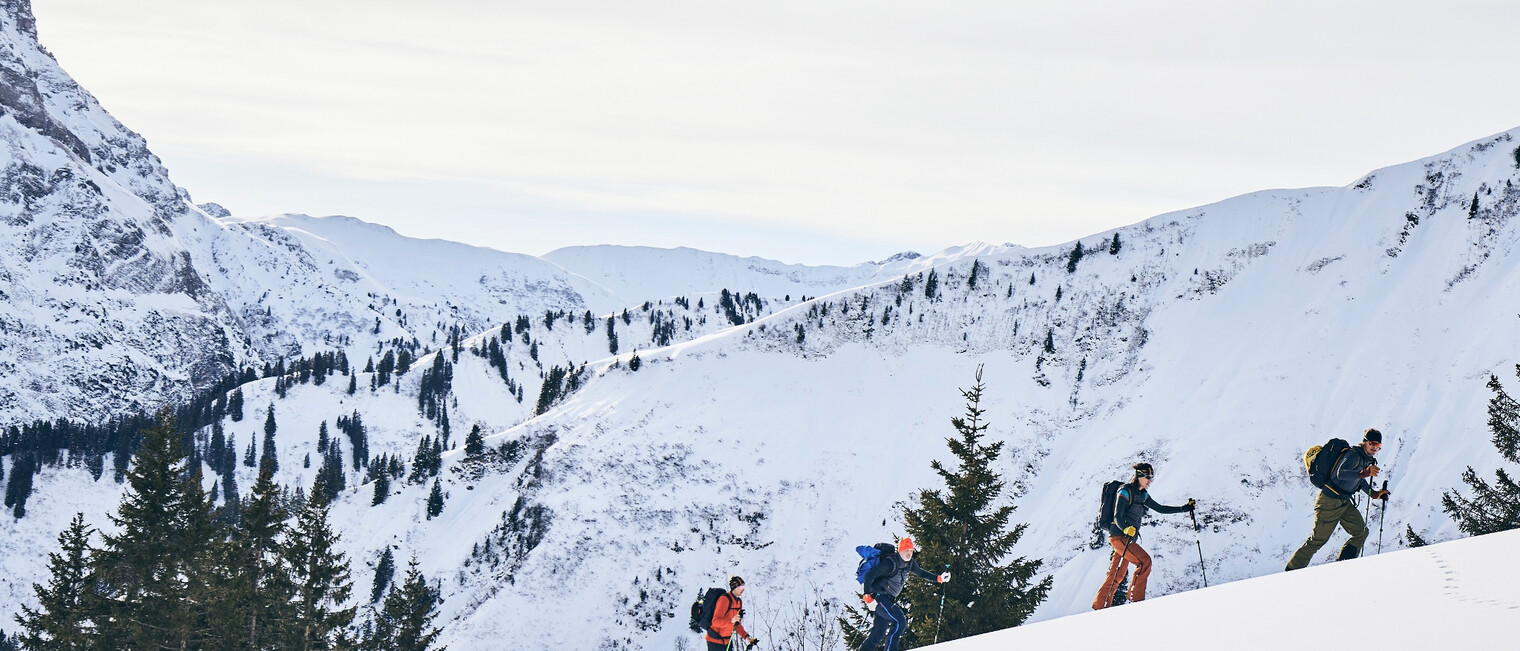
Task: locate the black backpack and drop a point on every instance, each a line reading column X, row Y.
column 702, row 609
column 1320, row 462
column 1106, row 510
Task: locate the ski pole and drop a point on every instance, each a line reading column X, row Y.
column 1382, row 513
column 1367, row 517
column 1124, row 563
column 1198, row 539
column 941, row 617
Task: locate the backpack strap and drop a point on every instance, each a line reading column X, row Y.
column 1330, row 481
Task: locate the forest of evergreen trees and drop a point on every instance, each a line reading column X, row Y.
column 179, row 573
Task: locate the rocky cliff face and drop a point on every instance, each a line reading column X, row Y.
column 118, row 294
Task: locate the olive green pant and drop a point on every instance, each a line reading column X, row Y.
column 1329, row 512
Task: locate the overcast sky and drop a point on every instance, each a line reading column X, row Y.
column 817, row 132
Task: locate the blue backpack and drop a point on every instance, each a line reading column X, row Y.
column 870, row 556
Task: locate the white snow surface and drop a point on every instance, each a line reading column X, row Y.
column 1454, row 595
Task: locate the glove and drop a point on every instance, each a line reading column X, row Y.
column 1369, row 471
column 1381, row 495
column 1191, row 504
column 753, row 641
column 1129, row 531
column 944, row 578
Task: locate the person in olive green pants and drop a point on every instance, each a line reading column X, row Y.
column 1333, row 507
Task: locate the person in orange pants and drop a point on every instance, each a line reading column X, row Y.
column 1130, row 506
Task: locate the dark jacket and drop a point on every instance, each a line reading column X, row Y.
column 891, row 574
column 1130, row 505
column 1346, row 475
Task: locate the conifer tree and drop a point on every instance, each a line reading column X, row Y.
column 634, row 362
column 435, row 501
column 1074, row 258
column 330, row 477
column 474, row 443
column 353, row 384
column 1113, row 247
column 1491, row 507
column 61, row 620
column 612, row 342
column 961, row 527
column 19, row 487
column 320, row 576
column 269, row 453
column 382, row 489
column 385, row 570
column 252, row 605
column 931, row 285
column 235, row 405
column 406, row 621
column 976, row 266
column 152, row 573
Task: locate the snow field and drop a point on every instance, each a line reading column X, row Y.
column 1457, row 594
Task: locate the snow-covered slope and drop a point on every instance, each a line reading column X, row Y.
column 1216, row 343
column 638, row 273
column 1453, row 595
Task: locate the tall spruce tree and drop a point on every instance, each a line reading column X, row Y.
column 321, row 580
column 382, row 489
column 235, row 405
column 253, row 604
column 19, row 486
column 153, row 572
column 1491, row 507
column 385, row 570
column 474, row 443
column 1074, row 258
column 61, row 621
column 960, row 529
column 269, row 453
column 435, row 501
column 405, row 623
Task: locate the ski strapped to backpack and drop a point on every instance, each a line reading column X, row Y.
column 702, row 610
column 870, row 556
column 1320, row 460
column 1106, row 509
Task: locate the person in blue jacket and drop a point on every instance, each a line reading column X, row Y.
column 883, row 584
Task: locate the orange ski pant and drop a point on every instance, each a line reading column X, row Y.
column 1125, row 552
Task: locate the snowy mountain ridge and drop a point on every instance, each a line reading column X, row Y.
column 120, row 295
column 1216, row 343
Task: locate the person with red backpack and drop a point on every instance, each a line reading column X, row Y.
column 1130, row 506
column 883, row 583
column 728, row 611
